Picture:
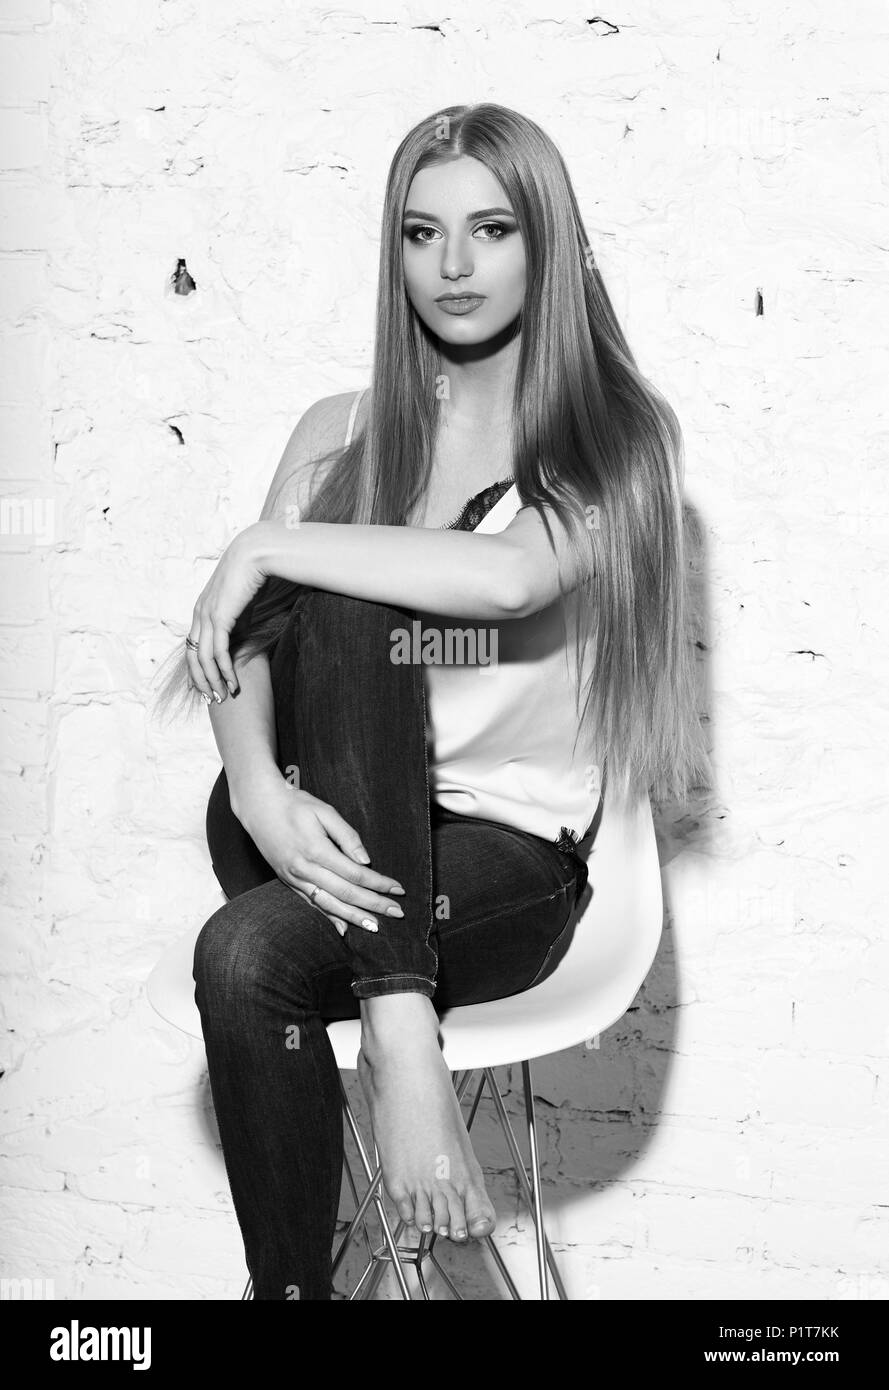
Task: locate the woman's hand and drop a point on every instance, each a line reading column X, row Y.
column 237, row 577
column 309, row 845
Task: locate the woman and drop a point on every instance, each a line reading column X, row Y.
column 396, row 831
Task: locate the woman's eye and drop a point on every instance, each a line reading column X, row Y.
column 416, row 234
column 497, row 226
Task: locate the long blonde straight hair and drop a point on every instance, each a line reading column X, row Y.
column 592, row 439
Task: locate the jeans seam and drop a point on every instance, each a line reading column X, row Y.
column 553, row 944
column 377, row 979
column 428, row 805
column 505, row 912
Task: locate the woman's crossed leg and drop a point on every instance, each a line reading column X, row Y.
column 485, row 910
column 271, row 971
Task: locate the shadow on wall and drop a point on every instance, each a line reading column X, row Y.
column 599, row 1112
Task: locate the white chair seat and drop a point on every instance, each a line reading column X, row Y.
column 614, row 944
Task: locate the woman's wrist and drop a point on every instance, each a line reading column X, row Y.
column 249, row 800
column 263, row 540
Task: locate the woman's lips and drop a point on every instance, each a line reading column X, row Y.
column 464, row 305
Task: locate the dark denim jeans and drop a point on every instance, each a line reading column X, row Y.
column 489, row 912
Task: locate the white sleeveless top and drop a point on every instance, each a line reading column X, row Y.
column 501, row 735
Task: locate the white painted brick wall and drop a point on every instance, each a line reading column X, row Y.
column 728, row 1137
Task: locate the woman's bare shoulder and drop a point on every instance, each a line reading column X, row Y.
column 320, row 430
column 325, row 423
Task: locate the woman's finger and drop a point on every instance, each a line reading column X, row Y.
column 327, row 904
column 337, row 921
column 349, row 842
column 330, row 857
column 198, row 679
column 208, row 663
column 341, row 832
column 347, row 891
column 222, row 657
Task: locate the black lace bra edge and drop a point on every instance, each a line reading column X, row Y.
column 476, row 509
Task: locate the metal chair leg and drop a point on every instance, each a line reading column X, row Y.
column 521, row 1173
column 378, row 1201
column 535, row 1182
column 361, row 1206
column 501, row 1267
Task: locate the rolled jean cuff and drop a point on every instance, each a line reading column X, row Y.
column 369, row 986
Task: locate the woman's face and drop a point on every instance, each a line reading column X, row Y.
column 460, row 237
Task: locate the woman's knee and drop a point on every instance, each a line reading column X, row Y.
column 238, row 952
column 218, row 958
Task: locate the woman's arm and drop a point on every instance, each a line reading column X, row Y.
column 509, row 574
column 306, row 842
column 244, row 727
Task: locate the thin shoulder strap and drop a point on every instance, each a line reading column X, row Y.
column 352, row 415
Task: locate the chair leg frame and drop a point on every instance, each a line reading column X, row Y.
column 390, row 1253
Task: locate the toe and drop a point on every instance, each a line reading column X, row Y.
column 405, row 1209
column 441, row 1216
column 481, row 1217
column 458, row 1217
column 423, row 1211
column 403, row 1204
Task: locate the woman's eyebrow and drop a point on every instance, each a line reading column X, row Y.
column 470, row 216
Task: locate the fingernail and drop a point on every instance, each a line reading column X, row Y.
column 217, row 697
column 362, row 854
column 395, row 911
column 396, row 888
column 461, row 1235
column 205, row 697
column 442, row 1230
column 233, row 690
column 426, row 1228
column 369, row 924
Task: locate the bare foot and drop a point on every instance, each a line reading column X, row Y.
column 429, row 1168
